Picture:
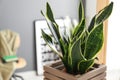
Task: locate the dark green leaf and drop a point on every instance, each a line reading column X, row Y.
column 58, row 37
column 63, row 46
column 84, row 65
column 52, row 24
column 76, row 55
column 55, row 30
column 50, row 43
column 42, row 13
column 67, row 64
column 67, row 60
column 49, row 13
column 51, row 27
column 79, row 29
column 92, row 24
column 94, row 42
column 81, row 11
column 104, row 13
column 66, row 39
column 46, row 37
column 83, row 40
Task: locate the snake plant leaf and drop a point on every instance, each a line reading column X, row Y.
column 92, row 23
column 56, row 33
column 76, row 55
column 94, row 42
column 79, row 29
column 104, row 13
column 67, row 60
column 54, row 28
column 50, row 26
column 79, row 49
column 84, row 65
column 63, row 46
column 53, row 25
column 50, row 43
column 59, row 38
column 67, row 64
column 42, row 13
column 66, row 43
column 49, row 12
column 66, row 39
column 83, row 40
column 46, row 37
column 81, row 11
column 84, row 36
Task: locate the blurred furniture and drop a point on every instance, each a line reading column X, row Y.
column 9, row 62
column 21, row 63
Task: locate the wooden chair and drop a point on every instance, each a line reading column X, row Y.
column 9, row 43
column 21, row 63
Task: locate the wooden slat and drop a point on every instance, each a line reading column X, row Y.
column 92, row 73
column 99, row 77
column 102, row 54
column 51, row 77
column 104, row 79
column 61, row 74
column 52, row 73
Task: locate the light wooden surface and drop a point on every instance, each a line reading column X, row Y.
column 21, row 63
column 102, row 54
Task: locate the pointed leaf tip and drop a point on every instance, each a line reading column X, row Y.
column 104, row 13
column 42, row 12
column 46, row 37
column 81, row 11
column 49, row 13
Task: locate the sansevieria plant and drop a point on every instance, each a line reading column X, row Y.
column 79, row 49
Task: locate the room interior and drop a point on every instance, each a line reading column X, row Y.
column 21, row 16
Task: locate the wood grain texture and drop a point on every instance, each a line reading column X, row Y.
column 54, row 72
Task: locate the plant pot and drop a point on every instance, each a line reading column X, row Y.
column 55, row 71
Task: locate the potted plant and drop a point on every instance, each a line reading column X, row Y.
column 79, row 49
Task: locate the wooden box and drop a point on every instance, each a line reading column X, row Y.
column 55, row 72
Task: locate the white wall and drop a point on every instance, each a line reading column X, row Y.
column 90, row 9
column 113, row 47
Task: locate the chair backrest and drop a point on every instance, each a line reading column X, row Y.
column 9, row 42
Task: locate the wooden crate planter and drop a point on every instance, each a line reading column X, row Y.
column 55, row 72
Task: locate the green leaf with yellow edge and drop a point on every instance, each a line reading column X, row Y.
column 76, row 55
column 50, row 43
column 94, row 42
column 84, row 65
column 79, row 29
column 49, row 13
column 104, row 13
column 81, row 11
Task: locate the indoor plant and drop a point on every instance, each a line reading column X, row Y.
column 79, row 49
